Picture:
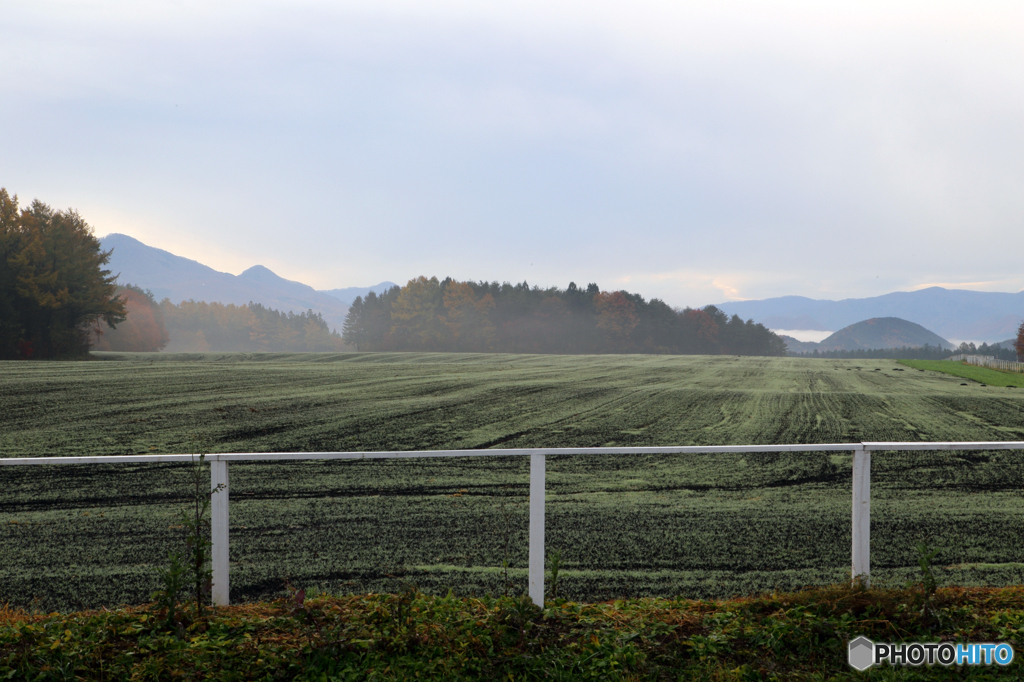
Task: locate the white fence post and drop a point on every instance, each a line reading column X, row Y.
column 862, row 515
column 988, row 361
column 536, row 563
column 219, row 531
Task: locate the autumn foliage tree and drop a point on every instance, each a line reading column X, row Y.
column 468, row 318
column 54, row 291
column 143, row 330
column 616, row 317
column 416, row 314
column 703, row 331
column 447, row 315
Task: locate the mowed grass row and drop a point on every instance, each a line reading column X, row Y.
column 698, row 526
column 982, row 375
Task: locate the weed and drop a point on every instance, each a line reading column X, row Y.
column 36, row 606
column 925, row 558
column 296, row 598
column 403, row 605
column 194, row 563
column 519, row 615
column 173, row 579
column 197, row 524
column 554, row 564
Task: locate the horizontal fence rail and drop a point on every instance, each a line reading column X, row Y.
column 988, row 361
column 219, row 503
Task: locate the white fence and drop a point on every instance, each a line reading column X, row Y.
column 861, row 518
column 989, row 361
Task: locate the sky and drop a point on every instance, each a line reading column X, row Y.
column 697, row 152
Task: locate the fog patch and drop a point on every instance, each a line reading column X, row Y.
column 804, row 334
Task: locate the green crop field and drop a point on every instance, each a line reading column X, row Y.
column 696, row 526
column 983, row 375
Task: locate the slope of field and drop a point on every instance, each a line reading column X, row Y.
column 697, row 526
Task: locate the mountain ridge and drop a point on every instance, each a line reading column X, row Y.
column 178, row 278
column 951, row 313
column 348, row 294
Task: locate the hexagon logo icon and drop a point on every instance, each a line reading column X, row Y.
column 861, row 653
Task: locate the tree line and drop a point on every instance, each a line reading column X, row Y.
column 448, row 315
column 254, row 328
column 57, row 300
column 198, row 326
column 925, row 352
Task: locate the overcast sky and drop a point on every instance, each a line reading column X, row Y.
column 695, row 152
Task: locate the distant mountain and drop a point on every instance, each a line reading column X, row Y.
column 952, row 313
column 882, row 332
column 181, row 279
column 348, row 295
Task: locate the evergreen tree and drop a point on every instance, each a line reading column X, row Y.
column 352, row 329
column 54, row 292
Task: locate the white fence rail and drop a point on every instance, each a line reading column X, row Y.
column 988, row 361
column 861, row 517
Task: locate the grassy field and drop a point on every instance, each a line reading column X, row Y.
column 697, row 526
column 983, row 375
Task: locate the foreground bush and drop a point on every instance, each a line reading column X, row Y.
column 799, row 636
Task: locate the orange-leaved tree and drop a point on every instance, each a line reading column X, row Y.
column 143, row 329
column 702, row 332
column 616, row 317
column 467, row 318
column 414, row 315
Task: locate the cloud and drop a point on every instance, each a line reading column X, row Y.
column 729, row 150
column 675, row 286
column 1010, row 284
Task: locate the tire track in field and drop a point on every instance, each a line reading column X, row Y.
column 470, row 419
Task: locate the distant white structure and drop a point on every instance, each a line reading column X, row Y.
column 989, row 361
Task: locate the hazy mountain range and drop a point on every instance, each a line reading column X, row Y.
column 951, row 313
column 181, row 279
